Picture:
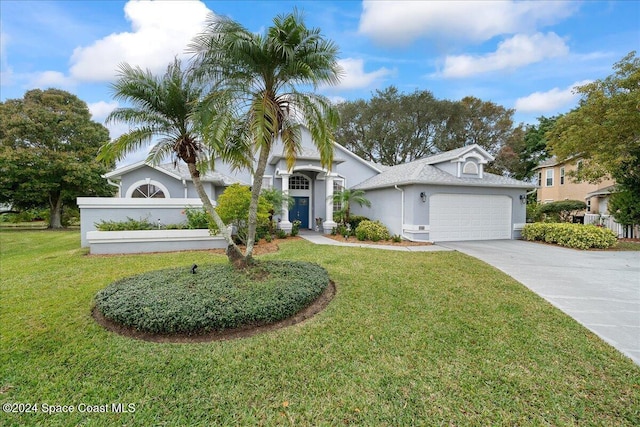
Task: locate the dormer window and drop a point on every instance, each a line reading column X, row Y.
column 470, row 168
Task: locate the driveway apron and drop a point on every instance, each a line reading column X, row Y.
column 600, row 289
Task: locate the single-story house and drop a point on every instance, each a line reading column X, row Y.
column 444, row 197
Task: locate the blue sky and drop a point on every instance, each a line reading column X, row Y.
column 522, row 55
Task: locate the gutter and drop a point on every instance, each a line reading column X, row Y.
column 115, row 184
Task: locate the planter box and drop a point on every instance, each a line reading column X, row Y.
column 144, row 241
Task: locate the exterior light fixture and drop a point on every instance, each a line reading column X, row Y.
column 423, row 197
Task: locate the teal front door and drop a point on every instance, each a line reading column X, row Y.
column 300, row 211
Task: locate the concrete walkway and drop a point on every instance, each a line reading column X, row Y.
column 320, row 239
column 600, row 289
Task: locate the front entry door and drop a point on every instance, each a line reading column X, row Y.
column 300, row 211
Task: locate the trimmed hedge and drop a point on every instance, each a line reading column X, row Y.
column 217, row 297
column 576, row 236
column 372, row 230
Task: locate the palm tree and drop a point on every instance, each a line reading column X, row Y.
column 164, row 107
column 260, row 74
column 348, row 197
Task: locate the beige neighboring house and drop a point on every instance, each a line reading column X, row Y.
column 555, row 184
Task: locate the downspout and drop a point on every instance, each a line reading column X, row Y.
column 115, row 184
column 401, row 213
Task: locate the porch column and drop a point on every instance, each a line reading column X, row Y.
column 329, row 224
column 284, row 223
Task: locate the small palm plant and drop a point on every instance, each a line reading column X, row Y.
column 346, row 198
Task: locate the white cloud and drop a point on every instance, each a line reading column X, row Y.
column 160, row 31
column 355, row 77
column 549, row 101
column 101, row 109
column 49, row 79
column 397, row 23
column 517, row 51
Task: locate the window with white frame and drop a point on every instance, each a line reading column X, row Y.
column 338, row 186
column 298, row 182
column 148, row 191
column 561, row 176
column 549, row 178
column 540, row 178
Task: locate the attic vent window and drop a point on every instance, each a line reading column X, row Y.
column 148, row 191
column 470, row 168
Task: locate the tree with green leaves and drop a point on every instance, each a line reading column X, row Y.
column 604, row 130
column 393, row 128
column 521, row 154
column 233, row 208
column 259, row 76
column 48, row 145
column 164, row 107
column 346, row 199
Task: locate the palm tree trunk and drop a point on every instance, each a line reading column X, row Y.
column 233, row 252
column 255, row 195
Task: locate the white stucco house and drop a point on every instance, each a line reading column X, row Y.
column 444, row 197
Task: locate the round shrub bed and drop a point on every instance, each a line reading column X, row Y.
column 216, row 298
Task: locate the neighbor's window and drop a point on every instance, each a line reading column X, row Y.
column 539, row 178
column 148, row 191
column 549, row 182
column 561, row 176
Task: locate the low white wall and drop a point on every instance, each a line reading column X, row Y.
column 144, row 241
column 96, row 209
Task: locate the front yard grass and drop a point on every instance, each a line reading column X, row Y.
column 409, row 339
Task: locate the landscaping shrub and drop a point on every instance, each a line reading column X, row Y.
column 233, row 208
column 198, row 218
column 561, row 211
column 355, row 220
column 217, row 297
column 576, row 236
column 129, row 224
column 372, row 230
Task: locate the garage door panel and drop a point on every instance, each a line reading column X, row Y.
column 469, row 217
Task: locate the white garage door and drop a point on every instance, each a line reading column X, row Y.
column 469, row 217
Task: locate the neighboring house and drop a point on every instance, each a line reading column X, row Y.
column 555, row 183
column 440, row 198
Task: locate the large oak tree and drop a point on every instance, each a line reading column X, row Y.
column 48, row 145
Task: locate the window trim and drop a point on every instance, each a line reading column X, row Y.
column 548, row 180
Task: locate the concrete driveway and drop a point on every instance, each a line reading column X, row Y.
column 599, row 289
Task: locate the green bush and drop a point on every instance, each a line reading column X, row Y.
column 217, row 297
column 576, row 236
column 198, row 218
column 355, row 220
column 129, row 224
column 233, row 208
column 561, row 210
column 372, row 230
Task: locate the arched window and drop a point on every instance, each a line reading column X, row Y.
column 470, row 168
column 148, row 189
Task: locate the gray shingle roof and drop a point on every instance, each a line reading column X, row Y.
column 423, row 172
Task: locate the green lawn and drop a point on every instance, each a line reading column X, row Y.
column 410, row 339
